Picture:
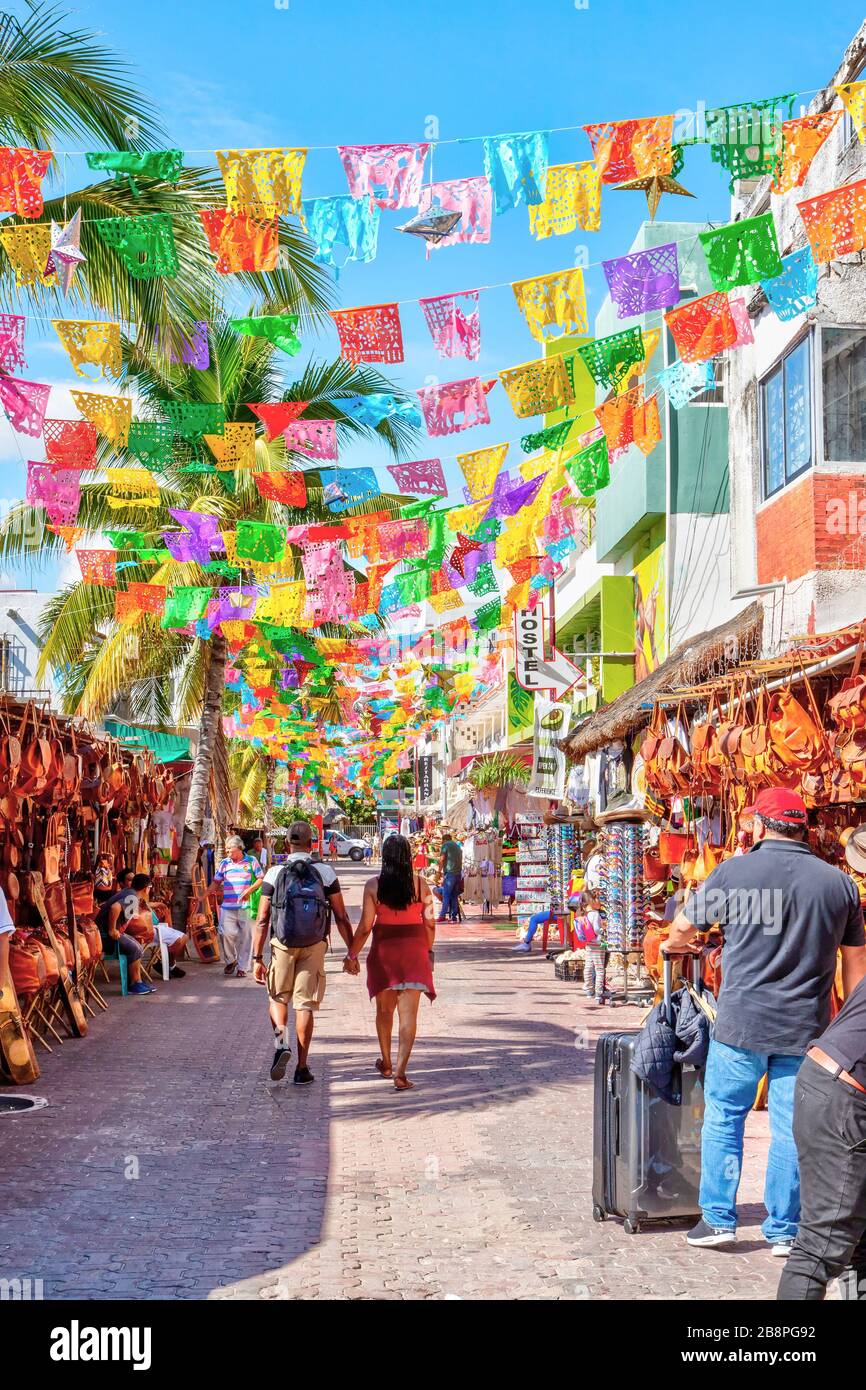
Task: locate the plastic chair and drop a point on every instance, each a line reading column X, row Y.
column 116, row 954
column 561, row 922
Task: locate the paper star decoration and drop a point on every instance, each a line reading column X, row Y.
column 432, row 225
column 65, row 255
column 654, row 185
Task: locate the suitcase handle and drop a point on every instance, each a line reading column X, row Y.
column 667, row 977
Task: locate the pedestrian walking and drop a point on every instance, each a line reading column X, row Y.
column 451, row 864
column 299, row 898
column 238, row 876
column 784, row 913
column 830, row 1132
column 398, row 910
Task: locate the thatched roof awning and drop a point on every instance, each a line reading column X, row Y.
column 694, row 660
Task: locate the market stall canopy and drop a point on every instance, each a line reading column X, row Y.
column 166, row 748
column 715, row 651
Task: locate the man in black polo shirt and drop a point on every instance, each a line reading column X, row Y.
column 830, row 1130
column 784, row 913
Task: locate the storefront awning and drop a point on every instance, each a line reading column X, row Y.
column 718, row 649
column 166, row 748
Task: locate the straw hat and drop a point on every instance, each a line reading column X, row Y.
column 853, row 841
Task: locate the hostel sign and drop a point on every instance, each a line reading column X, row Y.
column 535, row 668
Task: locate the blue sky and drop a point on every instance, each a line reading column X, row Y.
column 320, row 74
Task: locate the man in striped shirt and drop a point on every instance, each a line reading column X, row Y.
column 239, row 875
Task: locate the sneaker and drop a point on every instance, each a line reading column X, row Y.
column 781, row 1248
column 141, row 988
column 282, row 1057
column 303, row 1076
column 706, row 1235
column 523, row 946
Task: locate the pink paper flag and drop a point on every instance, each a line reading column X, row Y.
column 472, row 198
column 315, row 438
column 25, row 403
column 423, row 476
column 454, row 321
column 391, row 173
column 455, row 405
column 58, row 490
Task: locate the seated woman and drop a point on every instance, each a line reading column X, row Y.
column 398, row 910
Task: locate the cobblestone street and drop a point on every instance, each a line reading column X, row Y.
column 167, row 1164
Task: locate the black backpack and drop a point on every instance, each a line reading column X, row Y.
column 300, row 911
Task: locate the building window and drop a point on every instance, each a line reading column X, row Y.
column 843, row 354
column 786, row 419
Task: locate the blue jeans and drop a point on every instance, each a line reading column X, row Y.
column 535, row 922
column 730, row 1085
column 449, row 897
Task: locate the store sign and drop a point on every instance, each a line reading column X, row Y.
column 535, row 668
column 549, row 765
column 528, row 646
column 425, row 777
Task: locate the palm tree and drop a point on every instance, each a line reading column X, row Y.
column 58, row 83
column 172, row 675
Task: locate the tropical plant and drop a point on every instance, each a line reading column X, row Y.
column 58, row 83
column 173, row 676
column 499, row 770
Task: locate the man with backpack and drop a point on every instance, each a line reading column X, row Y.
column 298, row 900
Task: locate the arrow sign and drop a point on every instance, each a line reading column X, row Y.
column 558, row 674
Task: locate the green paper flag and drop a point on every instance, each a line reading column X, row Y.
column 413, row 586
column 192, row 420
column 185, row 604
column 279, row 329
column 127, row 540
column 488, row 616
column 743, row 252
column 145, row 245
column 484, row 582
column 590, row 469
column 150, row 441
column 164, row 165
column 608, row 359
column 259, row 540
column 553, row 436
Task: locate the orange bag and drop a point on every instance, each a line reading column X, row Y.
column 797, row 737
column 25, row 965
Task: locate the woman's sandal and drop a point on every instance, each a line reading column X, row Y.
column 402, row 1083
column 387, row 1072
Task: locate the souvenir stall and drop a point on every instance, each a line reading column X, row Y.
column 531, row 888
column 624, row 903
column 482, row 869
column 74, row 806
column 798, row 721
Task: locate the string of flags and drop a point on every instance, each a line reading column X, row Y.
column 343, row 710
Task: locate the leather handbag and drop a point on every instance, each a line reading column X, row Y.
column 82, row 898
column 797, row 737
column 26, row 965
column 848, row 706
column 755, row 745
column 705, row 752
column 51, row 852
column 673, row 844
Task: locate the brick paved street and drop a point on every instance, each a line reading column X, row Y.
column 169, row 1165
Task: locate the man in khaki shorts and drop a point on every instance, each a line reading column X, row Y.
column 297, row 973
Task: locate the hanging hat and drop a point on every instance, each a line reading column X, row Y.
column 853, row 841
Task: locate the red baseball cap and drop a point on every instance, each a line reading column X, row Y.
column 778, row 803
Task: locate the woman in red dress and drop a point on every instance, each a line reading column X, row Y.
column 398, row 909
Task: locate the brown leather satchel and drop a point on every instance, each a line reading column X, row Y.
column 706, row 754
column 797, row 736
column 848, row 706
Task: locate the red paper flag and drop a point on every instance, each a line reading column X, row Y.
column 278, row 416
column 371, row 333
column 286, row 486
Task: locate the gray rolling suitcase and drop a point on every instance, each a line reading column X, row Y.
column 646, row 1152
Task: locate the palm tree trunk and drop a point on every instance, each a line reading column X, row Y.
column 270, row 780
column 199, row 783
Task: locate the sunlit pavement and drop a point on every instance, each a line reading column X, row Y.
column 167, row 1164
